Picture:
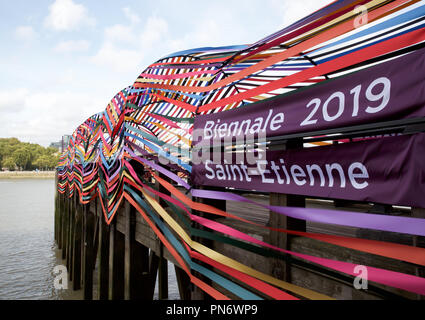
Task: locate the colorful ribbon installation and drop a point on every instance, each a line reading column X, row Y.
column 149, row 125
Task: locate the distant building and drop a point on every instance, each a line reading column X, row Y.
column 65, row 141
column 61, row 145
column 56, row 145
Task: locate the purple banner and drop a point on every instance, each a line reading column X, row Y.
column 388, row 170
column 389, row 91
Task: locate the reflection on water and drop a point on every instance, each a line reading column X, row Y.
column 28, row 252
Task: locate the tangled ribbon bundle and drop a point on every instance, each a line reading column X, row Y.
column 150, row 124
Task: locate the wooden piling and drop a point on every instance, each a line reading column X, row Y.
column 69, row 233
column 88, row 257
column 76, row 258
column 59, row 221
column 197, row 293
column 70, row 237
column 162, row 275
column 116, row 263
column 103, row 256
column 56, row 217
column 183, row 282
column 419, row 241
column 83, row 247
column 279, row 268
column 153, row 271
column 136, row 259
column 65, row 218
column 96, row 231
column 56, row 214
column 163, row 263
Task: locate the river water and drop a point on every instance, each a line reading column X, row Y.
column 28, row 253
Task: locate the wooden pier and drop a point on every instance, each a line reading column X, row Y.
column 125, row 259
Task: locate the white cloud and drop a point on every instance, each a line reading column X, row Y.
column 218, row 31
column 293, row 11
column 72, row 46
column 12, row 101
column 65, row 15
column 154, row 30
column 120, row 33
column 134, row 18
column 26, row 33
column 209, row 33
column 117, row 58
column 44, row 116
column 125, row 46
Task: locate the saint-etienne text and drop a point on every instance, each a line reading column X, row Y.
column 276, row 172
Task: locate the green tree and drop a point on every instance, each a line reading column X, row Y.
column 51, row 150
column 41, row 162
column 53, row 161
column 14, row 141
column 27, row 156
column 9, row 163
column 1, row 154
column 22, row 157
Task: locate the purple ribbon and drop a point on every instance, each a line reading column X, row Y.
column 154, row 166
column 415, row 226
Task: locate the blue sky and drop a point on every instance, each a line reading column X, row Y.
column 63, row 60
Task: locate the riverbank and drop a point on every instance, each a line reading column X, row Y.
column 27, row 174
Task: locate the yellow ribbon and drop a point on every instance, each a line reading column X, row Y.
column 228, row 261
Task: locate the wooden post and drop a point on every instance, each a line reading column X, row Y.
column 197, row 293
column 163, row 263
column 69, row 241
column 68, row 233
column 73, row 225
column 162, row 189
column 76, row 259
column 162, row 275
column 56, row 208
column 88, row 259
column 183, row 282
column 419, row 241
column 70, row 237
column 83, row 239
column 96, row 228
column 281, row 269
column 103, row 256
column 56, row 216
column 278, row 268
column 65, row 227
column 95, row 240
column 153, row 271
column 116, row 263
column 59, row 222
column 136, row 257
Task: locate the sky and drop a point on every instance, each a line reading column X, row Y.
column 62, row 61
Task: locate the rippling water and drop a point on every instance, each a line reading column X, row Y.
column 28, row 252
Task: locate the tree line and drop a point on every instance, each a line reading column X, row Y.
column 17, row 155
